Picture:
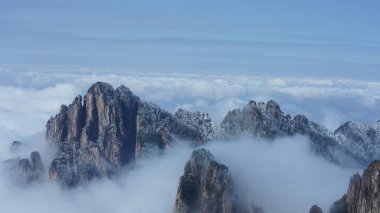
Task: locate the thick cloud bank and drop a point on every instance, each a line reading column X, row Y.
column 29, row 98
column 280, row 176
column 150, row 187
column 283, row 176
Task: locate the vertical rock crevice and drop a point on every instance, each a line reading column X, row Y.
column 108, row 129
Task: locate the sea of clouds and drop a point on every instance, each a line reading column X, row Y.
column 283, row 176
column 29, row 98
column 278, row 176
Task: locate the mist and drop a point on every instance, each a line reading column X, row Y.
column 150, row 187
column 284, row 175
column 279, row 176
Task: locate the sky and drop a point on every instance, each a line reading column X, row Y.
column 294, row 38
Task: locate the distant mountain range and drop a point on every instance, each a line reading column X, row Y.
column 109, row 129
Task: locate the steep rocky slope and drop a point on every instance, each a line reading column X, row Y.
column 363, row 194
column 207, row 187
column 199, row 121
column 108, row 129
column 362, row 140
column 268, row 121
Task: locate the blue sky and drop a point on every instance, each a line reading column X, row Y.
column 304, row 38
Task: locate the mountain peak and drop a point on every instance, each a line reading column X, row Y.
column 100, row 87
column 207, row 186
column 110, row 128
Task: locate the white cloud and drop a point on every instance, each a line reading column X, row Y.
column 21, row 95
column 277, row 82
column 18, row 99
column 150, row 188
column 283, row 176
column 369, row 101
column 333, row 119
column 280, row 177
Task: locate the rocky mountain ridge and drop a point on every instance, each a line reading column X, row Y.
column 266, row 120
column 360, row 139
column 108, row 128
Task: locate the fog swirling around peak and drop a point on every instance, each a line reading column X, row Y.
column 283, row 172
column 283, row 176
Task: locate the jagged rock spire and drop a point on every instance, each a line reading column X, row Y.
column 206, row 187
column 363, row 192
column 108, row 129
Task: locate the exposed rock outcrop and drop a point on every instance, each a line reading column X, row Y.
column 268, row 121
column 96, row 137
column 157, row 128
column 369, row 198
column 107, row 130
column 199, row 121
column 353, row 193
column 259, row 119
column 363, row 194
column 362, row 140
column 206, row 186
column 315, row 209
column 27, row 170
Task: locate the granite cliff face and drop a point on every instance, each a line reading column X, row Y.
column 369, row 197
column 363, row 194
column 107, row 130
column 95, row 137
column 206, row 187
column 267, row 120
